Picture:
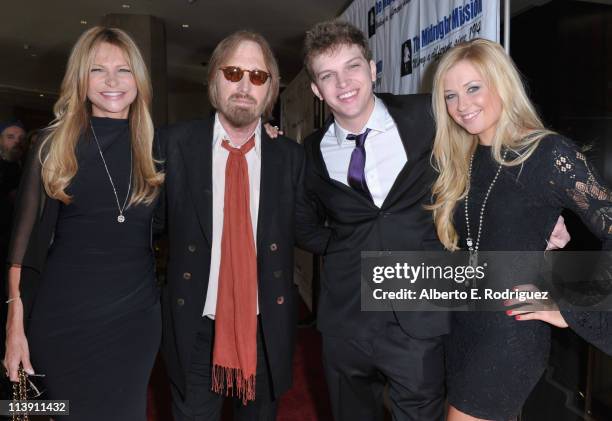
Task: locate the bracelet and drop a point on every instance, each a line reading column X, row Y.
column 12, row 299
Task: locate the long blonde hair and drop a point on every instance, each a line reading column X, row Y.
column 73, row 112
column 519, row 128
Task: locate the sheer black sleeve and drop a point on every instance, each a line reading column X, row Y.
column 28, row 205
column 575, row 185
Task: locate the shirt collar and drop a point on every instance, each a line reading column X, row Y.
column 377, row 123
column 219, row 133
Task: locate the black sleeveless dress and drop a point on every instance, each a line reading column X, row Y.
column 95, row 326
column 494, row 361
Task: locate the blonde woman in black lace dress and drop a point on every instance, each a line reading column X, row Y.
column 503, row 182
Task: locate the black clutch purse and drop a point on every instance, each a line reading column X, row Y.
column 20, row 393
column 26, row 389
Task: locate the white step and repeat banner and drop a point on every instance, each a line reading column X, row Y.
column 406, row 36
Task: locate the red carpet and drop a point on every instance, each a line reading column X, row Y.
column 306, row 401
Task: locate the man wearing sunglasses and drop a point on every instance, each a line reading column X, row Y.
column 232, row 197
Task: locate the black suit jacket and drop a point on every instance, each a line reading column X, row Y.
column 401, row 224
column 188, row 214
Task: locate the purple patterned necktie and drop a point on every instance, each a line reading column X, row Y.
column 356, row 172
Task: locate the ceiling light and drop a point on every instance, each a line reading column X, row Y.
column 185, row 25
column 83, row 22
column 125, row 6
column 41, row 95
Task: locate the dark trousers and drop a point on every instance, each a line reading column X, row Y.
column 202, row 404
column 358, row 369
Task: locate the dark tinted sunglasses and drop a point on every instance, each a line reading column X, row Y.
column 235, row 74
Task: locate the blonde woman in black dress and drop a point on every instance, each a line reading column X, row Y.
column 83, row 304
column 503, row 182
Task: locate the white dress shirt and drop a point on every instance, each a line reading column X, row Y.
column 219, row 159
column 385, row 153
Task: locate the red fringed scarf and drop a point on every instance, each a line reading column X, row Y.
column 235, row 342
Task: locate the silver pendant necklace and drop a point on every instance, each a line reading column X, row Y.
column 473, row 246
column 120, row 217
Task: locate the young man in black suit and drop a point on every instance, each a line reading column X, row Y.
column 232, row 199
column 373, row 204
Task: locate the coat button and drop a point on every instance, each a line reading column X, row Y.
column 278, row 273
column 187, row 275
column 280, row 299
column 273, row 247
column 180, row 302
column 191, row 247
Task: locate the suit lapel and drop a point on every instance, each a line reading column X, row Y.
column 319, row 164
column 408, row 130
column 196, row 149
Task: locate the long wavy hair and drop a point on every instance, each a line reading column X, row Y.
column 73, row 112
column 518, row 131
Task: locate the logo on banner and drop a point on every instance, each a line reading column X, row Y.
column 371, row 22
column 406, row 68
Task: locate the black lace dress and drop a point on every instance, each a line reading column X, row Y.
column 494, row 361
column 95, row 324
